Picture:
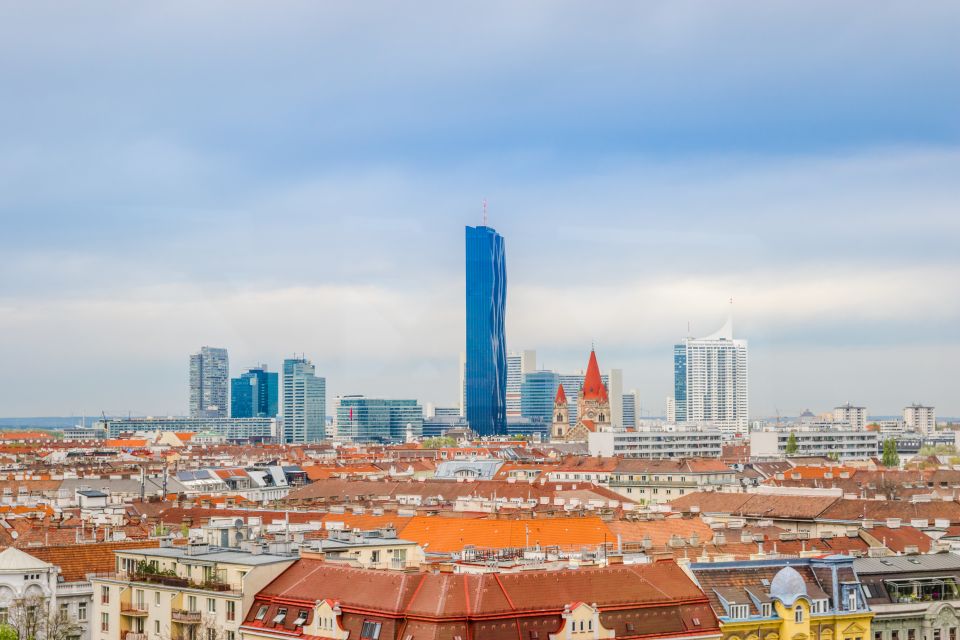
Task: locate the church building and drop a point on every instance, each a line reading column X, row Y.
column 593, row 407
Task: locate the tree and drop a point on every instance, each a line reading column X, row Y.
column 792, row 445
column 890, row 456
column 439, row 443
column 30, row 618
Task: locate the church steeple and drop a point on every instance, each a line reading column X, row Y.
column 593, row 387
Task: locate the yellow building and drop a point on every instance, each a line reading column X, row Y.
column 786, row 599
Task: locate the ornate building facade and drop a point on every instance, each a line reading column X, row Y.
column 593, row 407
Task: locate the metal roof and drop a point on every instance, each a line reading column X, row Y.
column 907, row 564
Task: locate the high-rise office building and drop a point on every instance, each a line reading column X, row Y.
column 710, row 381
column 517, row 365
column 304, row 402
column 630, row 405
column 615, row 390
column 485, row 373
column 920, row 418
column 255, row 394
column 856, row 417
column 538, row 390
column 362, row 419
column 209, row 376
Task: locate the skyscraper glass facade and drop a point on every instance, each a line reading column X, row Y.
column 538, row 391
column 304, row 402
column 361, row 419
column 680, row 381
column 485, row 372
column 209, row 376
column 255, row 394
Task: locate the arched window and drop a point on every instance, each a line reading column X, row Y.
column 798, row 614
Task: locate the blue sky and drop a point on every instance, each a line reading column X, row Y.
column 292, row 177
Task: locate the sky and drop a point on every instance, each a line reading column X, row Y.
column 295, row 177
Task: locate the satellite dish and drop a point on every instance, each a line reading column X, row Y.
column 238, row 523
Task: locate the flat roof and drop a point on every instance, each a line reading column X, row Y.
column 215, row 555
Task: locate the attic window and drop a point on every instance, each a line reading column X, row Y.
column 301, row 618
column 696, row 622
column 739, row 611
column 534, row 635
column 630, row 626
column 766, row 609
column 370, row 630
column 262, row 612
column 281, row 614
column 764, row 582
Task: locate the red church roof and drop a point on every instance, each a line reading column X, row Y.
column 593, row 387
column 561, row 396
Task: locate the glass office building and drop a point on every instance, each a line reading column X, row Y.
column 255, row 394
column 209, row 376
column 538, row 391
column 485, row 371
column 304, row 402
column 362, row 419
column 680, row 382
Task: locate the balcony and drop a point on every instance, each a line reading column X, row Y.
column 173, row 581
column 133, row 635
column 185, row 617
column 136, row 610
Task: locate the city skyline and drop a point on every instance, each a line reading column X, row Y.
column 312, row 199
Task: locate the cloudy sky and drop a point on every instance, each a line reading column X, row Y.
column 295, row 177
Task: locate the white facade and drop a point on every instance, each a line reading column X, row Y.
column 856, row 417
column 209, row 380
column 920, row 418
column 715, row 392
column 844, row 444
column 303, row 402
column 615, row 391
column 32, row 581
column 679, row 443
column 518, row 363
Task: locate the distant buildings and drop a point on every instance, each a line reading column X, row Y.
column 571, row 389
column 304, row 402
column 518, row 364
column 679, row 443
column 255, row 394
column 593, row 407
column 856, row 417
column 537, row 392
column 237, row 429
column 485, row 371
column 710, row 381
column 362, row 419
column 841, row 444
column 920, row 418
column 209, row 373
column 630, row 406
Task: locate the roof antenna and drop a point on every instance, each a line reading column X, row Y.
column 484, row 212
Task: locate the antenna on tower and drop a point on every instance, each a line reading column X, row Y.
column 484, row 212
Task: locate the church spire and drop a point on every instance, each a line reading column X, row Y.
column 593, row 387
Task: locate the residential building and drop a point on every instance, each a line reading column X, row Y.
column 920, row 418
column 913, row 597
column 28, row 590
column 657, row 443
column 631, row 404
column 236, row 429
column 377, row 549
column 840, row 444
column 537, row 393
column 304, row 402
column 485, row 370
column 209, row 376
column 659, row 481
column 856, row 417
column 255, row 394
column 786, row 598
column 317, row 599
column 710, row 381
column 194, row 592
column 362, row 419
column 518, row 364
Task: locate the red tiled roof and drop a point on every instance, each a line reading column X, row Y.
column 593, row 387
column 561, row 397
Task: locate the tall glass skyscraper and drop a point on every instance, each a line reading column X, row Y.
column 485, row 371
column 255, row 394
column 538, row 391
column 304, row 402
column 209, row 373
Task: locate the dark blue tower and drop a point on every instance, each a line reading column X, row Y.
column 255, row 394
column 485, row 374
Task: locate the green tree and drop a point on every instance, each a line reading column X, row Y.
column 890, row 456
column 439, row 443
column 792, row 444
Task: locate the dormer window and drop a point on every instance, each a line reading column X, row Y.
column 739, row 611
column 281, row 614
column 301, row 618
column 766, row 609
column 370, row 630
column 262, row 612
column 852, row 600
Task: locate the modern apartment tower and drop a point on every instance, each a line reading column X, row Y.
column 255, row 394
column 209, row 376
column 856, row 417
column 485, row 371
column 518, row 364
column 304, row 402
column 710, row 381
column 920, row 418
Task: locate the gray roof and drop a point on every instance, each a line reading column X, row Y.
column 906, row 564
column 215, row 555
column 483, row 469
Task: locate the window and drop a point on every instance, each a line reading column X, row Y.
column 211, row 605
column 191, row 603
column 852, row 601
column 104, row 621
column 281, row 614
column 895, row 635
column 81, row 611
column 936, row 634
column 156, row 598
column 104, row 595
column 739, row 611
column 878, row 635
column 370, row 630
column 952, row 633
column 156, row 626
column 798, row 614
column 231, row 610
column 5, row 615
column 211, row 634
column 375, row 556
column 766, row 609
column 231, row 635
column 262, row 612
column 911, row 634
column 301, row 618
column 65, row 612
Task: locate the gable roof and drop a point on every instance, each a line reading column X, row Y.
column 12, row 559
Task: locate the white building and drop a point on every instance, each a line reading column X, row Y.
column 615, row 391
column 920, row 418
column 843, row 444
column 657, row 443
column 710, row 381
column 209, row 380
column 26, row 581
column 518, row 363
column 304, row 402
column 856, row 417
